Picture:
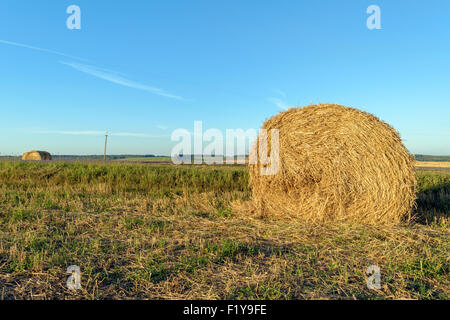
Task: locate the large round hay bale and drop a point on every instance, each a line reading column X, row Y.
column 335, row 164
column 37, row 156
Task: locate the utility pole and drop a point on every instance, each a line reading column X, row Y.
column 106, row 141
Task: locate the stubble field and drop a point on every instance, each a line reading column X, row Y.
column 156, row 231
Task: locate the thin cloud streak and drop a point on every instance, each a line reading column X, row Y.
column 141, row 135
column 279, row 103
column 22, row 45
column 73, row 133
column 101, row 133
column 114, row 77
column 281, row 93
column 105, row 74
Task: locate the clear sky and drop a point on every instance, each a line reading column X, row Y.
column 141, row 69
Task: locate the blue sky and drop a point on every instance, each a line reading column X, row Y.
column 141, row 69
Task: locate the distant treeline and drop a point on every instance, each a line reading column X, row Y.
column 418, row 157
column 100, row 157
column 131, row 156
column 423, row 157
column 88, row 157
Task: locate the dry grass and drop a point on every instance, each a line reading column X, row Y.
column 335, row 164
column 166, row 232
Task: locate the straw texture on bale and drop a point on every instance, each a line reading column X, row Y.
column 37, row 155
column 335, row 164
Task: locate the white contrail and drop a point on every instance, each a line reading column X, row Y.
column 101, row 73
column 114, row 77
column 40, row 49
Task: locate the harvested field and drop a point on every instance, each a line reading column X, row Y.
column 171, row 232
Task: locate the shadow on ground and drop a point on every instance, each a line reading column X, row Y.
column 433, row 204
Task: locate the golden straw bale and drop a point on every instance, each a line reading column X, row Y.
column 37, row 156
column 335, row 164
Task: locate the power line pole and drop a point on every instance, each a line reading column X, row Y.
column 106, row 141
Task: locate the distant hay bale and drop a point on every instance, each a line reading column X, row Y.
column 335, row 164
column 37, row 156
